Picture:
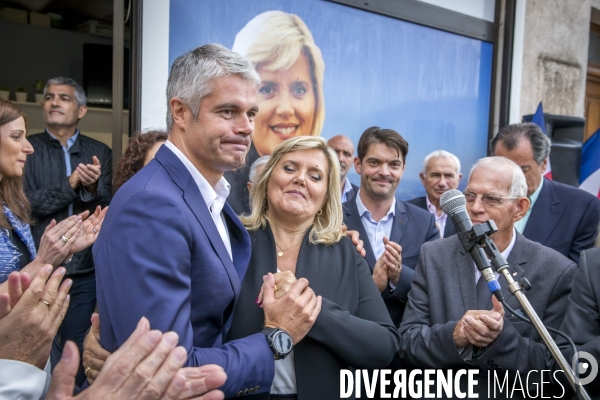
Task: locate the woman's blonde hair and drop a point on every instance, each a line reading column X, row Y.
column 278, row 38
column 327, row 225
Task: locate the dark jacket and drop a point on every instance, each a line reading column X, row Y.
column 421, row 202
column 564, row 218
column 412, row 227
column 353, row 328
column 239, row 197
column 49, row 192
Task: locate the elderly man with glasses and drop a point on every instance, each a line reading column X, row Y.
column 451, row 320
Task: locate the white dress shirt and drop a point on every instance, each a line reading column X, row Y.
column 440, row 220
column 214, row 198
column 347, row 189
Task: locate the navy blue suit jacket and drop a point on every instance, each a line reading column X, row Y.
column 564, row 218
column 449, row 229
column 411, row 228
column 160, row 255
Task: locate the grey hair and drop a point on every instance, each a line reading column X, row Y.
column 511, row 136
column 441, row 154
column 257, row 163
column 80, row 96
column 518, row 186
column 192, row 74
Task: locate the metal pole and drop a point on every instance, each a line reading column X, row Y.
column 117, row 82
column 517, row 290
column 135, row 106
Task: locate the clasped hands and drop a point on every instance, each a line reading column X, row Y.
column 289, row 304
column 479, row 327
column 389, row 266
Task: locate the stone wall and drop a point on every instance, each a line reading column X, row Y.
column 555, row 52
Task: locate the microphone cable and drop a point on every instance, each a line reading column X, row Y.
column 556, row 331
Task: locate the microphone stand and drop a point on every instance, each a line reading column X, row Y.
column 480, row 235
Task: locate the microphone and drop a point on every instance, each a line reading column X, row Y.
column 454, row 204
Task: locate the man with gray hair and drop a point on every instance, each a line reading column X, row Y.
column 561, row 217
column 441, row 172
column 67, row 174
column 173, row 250
column 451, row 320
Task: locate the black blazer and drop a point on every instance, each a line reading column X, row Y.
column 449, row 229
column 239, row 197
column 412, row 227
column 353, row 328
column 582, row 318
column 564, row 218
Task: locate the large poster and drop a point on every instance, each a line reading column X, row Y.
column 357, row 69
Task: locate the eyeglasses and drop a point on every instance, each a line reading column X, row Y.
column 487, row 199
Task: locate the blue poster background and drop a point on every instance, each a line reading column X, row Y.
column 433, row 87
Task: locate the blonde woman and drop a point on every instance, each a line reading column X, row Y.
column 291, row 100
column 295, row 232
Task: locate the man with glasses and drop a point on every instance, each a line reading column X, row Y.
column 561, row 217
column 451, row 320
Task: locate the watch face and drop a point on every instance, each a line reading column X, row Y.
column 282, row 342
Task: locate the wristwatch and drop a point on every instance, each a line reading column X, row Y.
column 280, row 341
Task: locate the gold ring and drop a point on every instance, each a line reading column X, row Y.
column 86, row 371
column 64, row 238
column 46, row 303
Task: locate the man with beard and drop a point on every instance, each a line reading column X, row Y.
column 395, row 229
column 343, row 147
column 172, row 249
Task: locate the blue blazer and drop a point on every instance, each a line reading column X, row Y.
column 564, row 218
column 411, row 228
column 449, row 229
column 159, row 255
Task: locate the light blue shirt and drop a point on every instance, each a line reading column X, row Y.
column 376, row 230
column 522, row 223
column 67, row 154
column 347, row 189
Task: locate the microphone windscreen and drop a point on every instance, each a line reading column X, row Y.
column 452, row 201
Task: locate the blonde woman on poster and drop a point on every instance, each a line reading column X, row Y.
column 291, row 100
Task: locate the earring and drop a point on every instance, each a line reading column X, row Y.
column 320, row 212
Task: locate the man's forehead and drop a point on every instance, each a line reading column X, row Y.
column 233, row 91
column 378, row 150
column 489, row 179
column 441, row 163
column 341, row 142
column 60, row 90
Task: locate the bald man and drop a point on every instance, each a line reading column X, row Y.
column 343, row 147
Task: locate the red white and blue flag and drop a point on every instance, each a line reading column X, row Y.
column 589, row 174
column 539, row 120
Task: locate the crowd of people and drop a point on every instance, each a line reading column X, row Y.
column 316, row 275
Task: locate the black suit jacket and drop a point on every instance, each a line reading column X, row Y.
column 412, row 227
column 564, row 218
column 353, row 329
column 421, row 202
column 239, row 197
column 582, row 319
